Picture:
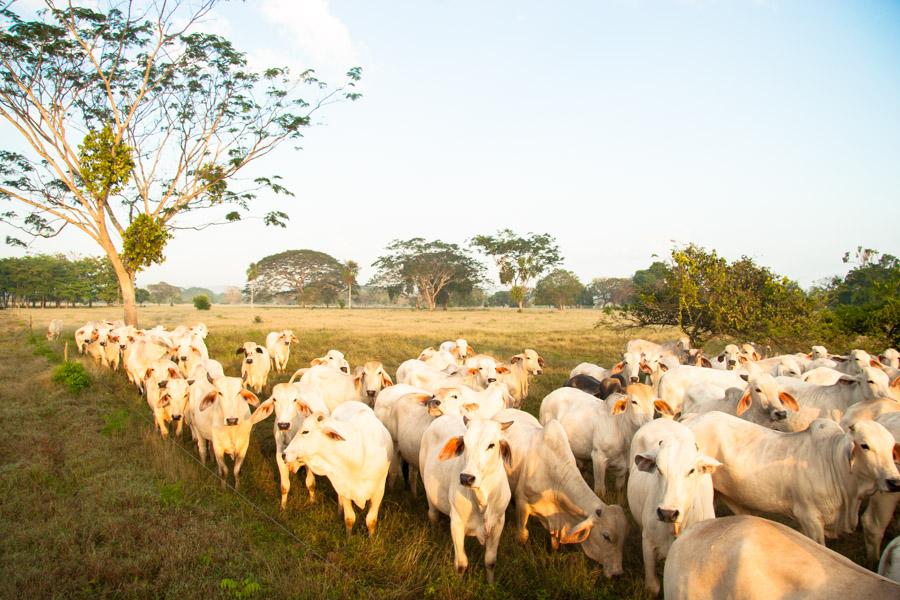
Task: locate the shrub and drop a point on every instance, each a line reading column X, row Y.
column 201, row 302
column 73, row 376
column 115, row 422
column 257, row 319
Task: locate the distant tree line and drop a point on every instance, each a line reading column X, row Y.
column 55, row 280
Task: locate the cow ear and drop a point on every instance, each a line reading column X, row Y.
column 839, row 359
column 173, row 373
column 470, row 350
column 896, row 383
column 645, row 462
column 148, row 373
column 663, row 408
column 876, row 364
column 302, row 407
column 502, row 369
column 422, row 399
column 333, row 435
column 163, row 401
column 742, row 360
column 240, row 350
column 704, row 362
column 707, row 464
column 357, row 382
column 506, row 425
column 386, row 380
column 454, row 351
column 265, row 409
column 579, row 534
column 250, row 397
column 745, row 376
column 789, row 401
column 505, row 453
column 897, row 453
column 847, row 380
column 453, row 447
column 541, row 362
column 190, row 382
column 472, row 371
column 756, row 355
column 617, row 368
column 645, row 368
column 744, row 403
column 471, row 407
column 515, row 359
column 620, row 406
column 316, row 362
column 208, row 400
column 663, row 367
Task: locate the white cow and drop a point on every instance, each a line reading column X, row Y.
column 889, row 565
column 439, row 359
column 191, row 351
column 353, row 449
column 729, row 359
column 669, row 489
column 331, row 386
column 521, row 367
column 54, row 329
column 255, row 366
column 546, row 484
column 167, row 394
column 674, row 385
column 821, row 376
column 762, row 401
column 370, row 379
column 219, row 414
column 818, row 477
column 586, row 368
column 278, row 344
column 334, row 359
column 601, row 430
column 290, row 410
column 462, row 464
column 889, row 358
column 880, row 512
column 757, row 559
column 140, row 356
column 459, row 349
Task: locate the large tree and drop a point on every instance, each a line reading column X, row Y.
column 558, row 288
column 616, row 291
column 426, row 268
column 307, row 275
column 349, row 272
column 122, row 119
column 866, row 301
column 519, row 259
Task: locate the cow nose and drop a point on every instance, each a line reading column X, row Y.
column 284, row 456
column 183, row 358
column 780, row 415
column 102, row 343
column 893, row 485
column 231, row 421
column 731, row 364
column 634, row 380
column 345, row 369
column 249, row 361
column 176, row 417
column 466, row 479
column 492, row 379
column 539, row 372
column 667, row 515
column 283, row 426
column 371, row 393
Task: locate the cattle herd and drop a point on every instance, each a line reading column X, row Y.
column 809, row 437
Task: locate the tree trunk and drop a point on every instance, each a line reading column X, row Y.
column 349, row 296
column 126, row 281
column 521, row 305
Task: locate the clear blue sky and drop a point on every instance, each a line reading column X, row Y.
column 770, row 129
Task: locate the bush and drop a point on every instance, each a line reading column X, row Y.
column 201, row 302
column 257, row 319
column 73, row 376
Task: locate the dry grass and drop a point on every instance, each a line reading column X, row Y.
column 94, row 504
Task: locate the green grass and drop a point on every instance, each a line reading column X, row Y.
column 96, row 504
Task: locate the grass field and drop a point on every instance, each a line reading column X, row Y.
column 92, row 503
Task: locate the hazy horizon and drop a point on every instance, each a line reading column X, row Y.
column 766, row 129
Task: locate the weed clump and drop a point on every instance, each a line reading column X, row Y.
column 73, row 376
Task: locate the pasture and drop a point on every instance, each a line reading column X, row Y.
column 94, row 503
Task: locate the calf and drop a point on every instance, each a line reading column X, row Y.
column 278, row 344
column 370, row 379
column 459, row 349
column 255, row 366
column 353, row 449
column 759, row 559
column 520, row 368
column 167, row 394
column 546, row 484
column 219, row 414
column 818, row 477
column 462, row 464
column 54, row 329
column 882, row 505
column 669, row 489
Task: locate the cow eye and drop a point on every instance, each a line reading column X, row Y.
column 870, row 381
column 634, row 402
column 490, row 446
column 691, row 472
column 758, row 391
column 864, row 446
column 606, row 537
column 304, row 432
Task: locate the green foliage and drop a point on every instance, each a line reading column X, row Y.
column 501, row 298
column 142, row 295
column 164, row 293
column 308, row 276
column 201, row 302
column 245, row 588
column 171, row 494
column 615, row 291
column 143, row 243
column 559, row 288
column 106, row 162
column 865, row 301
column 427, row 269
column 44, row 278
column 73, row 376
column 257, row 319
column 519, row 259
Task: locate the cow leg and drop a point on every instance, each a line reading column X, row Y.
column 876, row 520
column 349, row 514
column 311, row 485
column 201, row 445
column 238, row 461
column 458, row 535
column 651, row 581
column 220, row 461
column 491, row 542
column 811, row 524
column 522, row 514
column 178, row 427
column 734, row 506
column 374, row 505
column 284, row 475
column 414, row 481
column 599, row 461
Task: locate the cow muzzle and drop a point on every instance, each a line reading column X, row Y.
column 345, row 369
column 249, row 361
column 667, row 515
column 466, row 479
column 283, row 426
column 371, row 393
column 893, row 485
column 731, row 364
column 231, row 421
column 634, row 380
column 176, row 417
column 779, row 415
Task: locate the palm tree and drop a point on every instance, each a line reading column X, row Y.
column 349, row 271
column 252, row 274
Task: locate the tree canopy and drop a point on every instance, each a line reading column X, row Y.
column 126, row 117
column 519, row 259
column 56, row 279
column 427, row 269
column 867, row 300
column 307, row 275
column 558, row 288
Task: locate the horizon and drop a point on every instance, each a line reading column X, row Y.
column 770, row 130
